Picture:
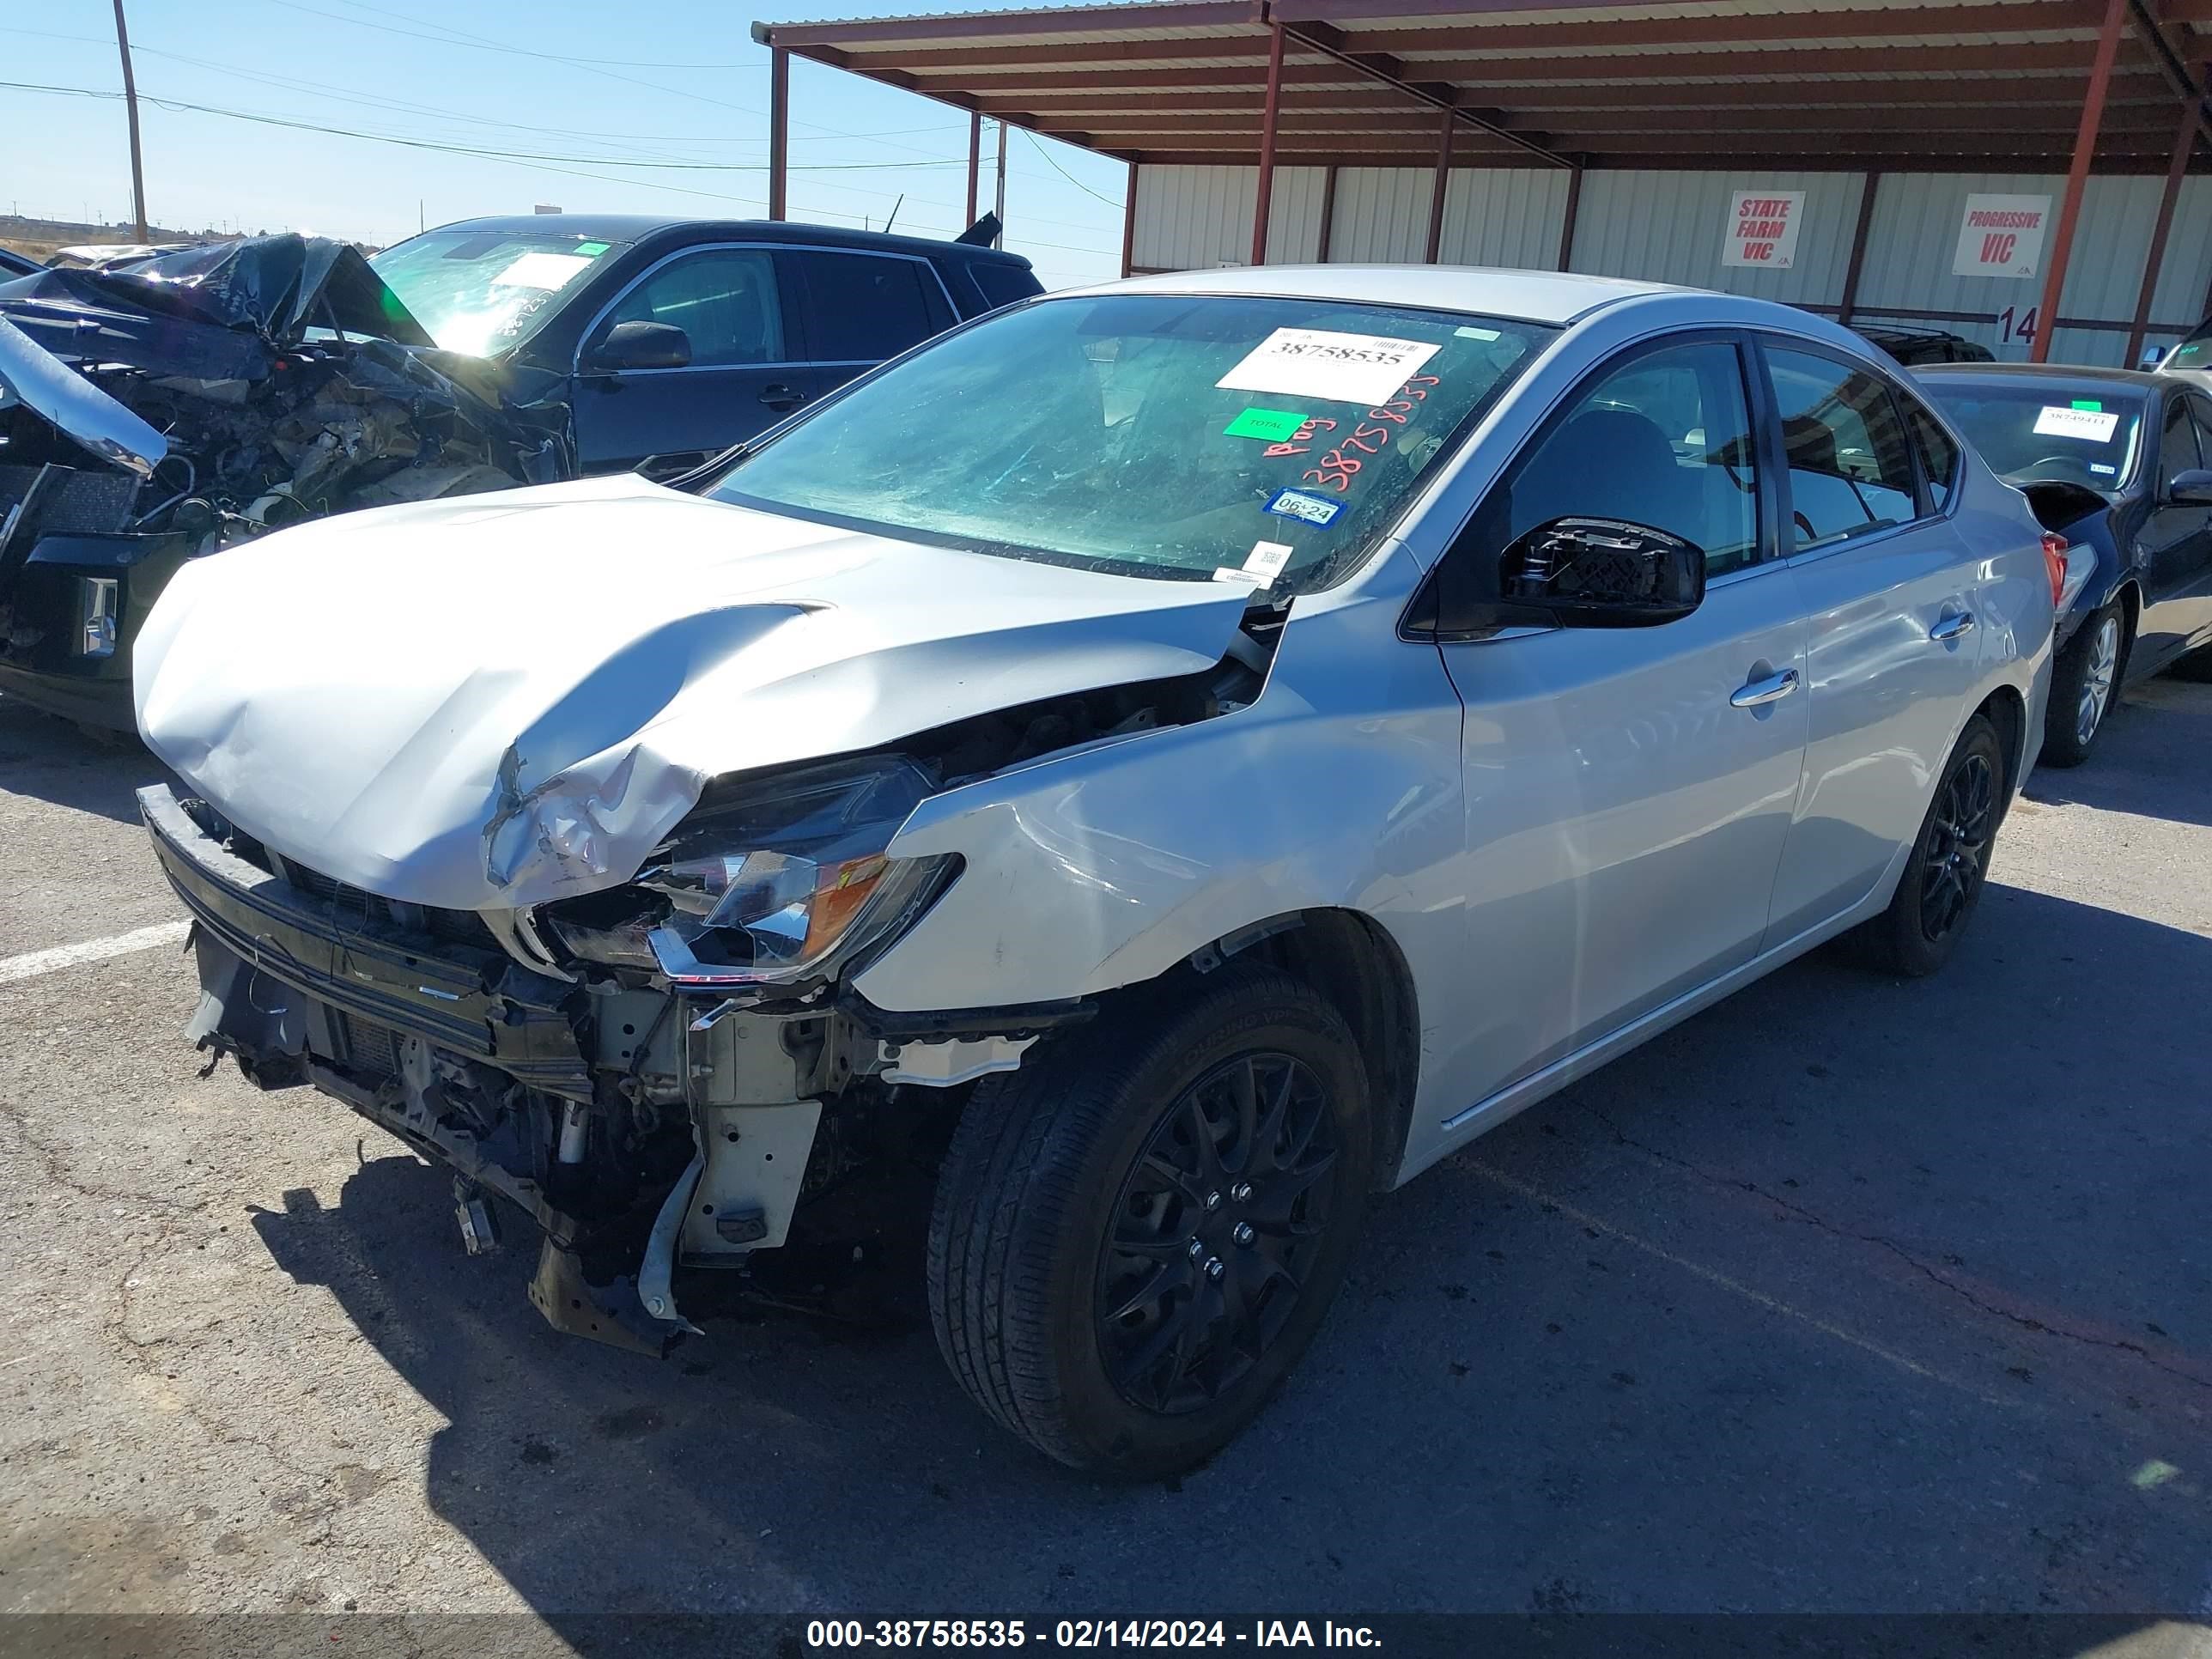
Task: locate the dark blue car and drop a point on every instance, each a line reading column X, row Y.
column 2121, row 461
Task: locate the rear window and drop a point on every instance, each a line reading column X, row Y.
column 2048, row 433
column 869, row 306
column 1004, row 285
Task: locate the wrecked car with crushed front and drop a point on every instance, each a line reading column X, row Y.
column 152, row 414
column 1173, row 759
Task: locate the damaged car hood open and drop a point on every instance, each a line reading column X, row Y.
column 518, row 696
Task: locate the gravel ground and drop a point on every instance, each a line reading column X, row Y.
column 1847, row 1296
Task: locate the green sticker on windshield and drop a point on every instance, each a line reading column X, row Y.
column 1274, row 425
column 2089, row 403
column 593, row 248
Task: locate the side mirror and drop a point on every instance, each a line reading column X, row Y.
column 1605, row 573
column 2192, row 488
column 640, row 345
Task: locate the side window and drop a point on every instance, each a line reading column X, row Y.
column 1664, row 441
column 1002, row 285
column 2202, row 411
column 723, row 298
column 868, row 308
column 2176, row 444
column 1939, row 456
column 1849, row 471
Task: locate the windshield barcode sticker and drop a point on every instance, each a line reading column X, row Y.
column 1314, row 362
column 1266, row 559
column 1316, row 510
column 551, row 271
column 2090, row 426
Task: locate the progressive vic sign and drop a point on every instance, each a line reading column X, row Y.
column 2002, row 236
column 1763, row 229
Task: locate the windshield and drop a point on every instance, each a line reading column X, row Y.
column 483, row 291
column 2195, row 352
column 2033, row 433
column 1175, row 435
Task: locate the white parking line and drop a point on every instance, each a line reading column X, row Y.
column 35, row 962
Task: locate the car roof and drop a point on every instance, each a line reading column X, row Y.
column 1536, row 297
column 643, row 227
column 2032, row 374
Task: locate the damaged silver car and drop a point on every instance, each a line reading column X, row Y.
column 1193, row 753
column 155, row 413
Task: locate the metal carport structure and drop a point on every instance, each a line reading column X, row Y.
column 1562, row 93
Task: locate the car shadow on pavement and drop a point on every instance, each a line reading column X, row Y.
column 54, row 760
column 1848, row 1293
column 2149, row 758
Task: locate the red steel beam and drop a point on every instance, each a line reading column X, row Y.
column 779, row 131
column 1857, row 260
column 1327, row 214
column 1129, row 222
column 2184, row 145
column 1250, row 52
column 1269, row 113
column 1732, row 29
column 1567, row 219
column 2133, row 95
column 975, row 159
column 2077, row 177
column 1444, row 130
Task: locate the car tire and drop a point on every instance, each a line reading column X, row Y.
column 2084, row 684
column 1942, row 881
column 1120, row 1195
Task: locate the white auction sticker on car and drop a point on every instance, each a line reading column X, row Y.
column 551, row 271
column 2090, row 425
column 1315, row 363
column 1266, row 559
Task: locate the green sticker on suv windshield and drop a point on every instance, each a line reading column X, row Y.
column 592, row 248
column 2089, row 403
column 1274, row 425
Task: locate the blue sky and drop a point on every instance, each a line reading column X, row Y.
column 676, row 81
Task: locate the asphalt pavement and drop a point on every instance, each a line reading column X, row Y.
column 1849, row 1295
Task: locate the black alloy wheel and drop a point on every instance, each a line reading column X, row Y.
column 1942, row 881
column 1958, row 855
column 1215, row 1231
column 1136, row 1234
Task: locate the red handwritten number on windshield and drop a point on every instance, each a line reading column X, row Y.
column 1337, row 470
column 1303, row 435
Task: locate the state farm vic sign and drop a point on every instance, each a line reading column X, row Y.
column 2002, row 236
column 1763, row 229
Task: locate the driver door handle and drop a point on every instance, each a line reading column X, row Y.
column 1758, row 693
column 1951, row 627
column 780, row 396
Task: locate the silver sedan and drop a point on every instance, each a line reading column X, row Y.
column 1208, row 745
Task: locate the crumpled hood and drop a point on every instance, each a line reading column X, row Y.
column 493, row 701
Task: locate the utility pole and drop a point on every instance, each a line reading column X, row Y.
column 1000, row 241
column 131, row 107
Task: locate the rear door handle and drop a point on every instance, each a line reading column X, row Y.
column 780, row 398
column 1952, row 627
column 1772, row 688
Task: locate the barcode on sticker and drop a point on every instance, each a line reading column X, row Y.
column 1266, row 560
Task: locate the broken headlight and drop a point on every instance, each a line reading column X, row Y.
column 784, row 879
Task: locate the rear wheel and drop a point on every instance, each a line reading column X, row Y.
column 2083, row 686
column 1943, row 880
column 1136, row 1236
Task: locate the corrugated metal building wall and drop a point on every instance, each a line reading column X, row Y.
column 1670, row 226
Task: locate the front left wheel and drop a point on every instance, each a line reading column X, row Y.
column 1136, row 1234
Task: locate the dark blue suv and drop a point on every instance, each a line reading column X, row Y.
column 669, row 339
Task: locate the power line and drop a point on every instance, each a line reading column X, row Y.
column 454, row 37
column 1036, row 145
column 477, row 149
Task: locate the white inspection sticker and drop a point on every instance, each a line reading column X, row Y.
column 2090, row 425
column 1476, row 333
column 551, row 271
column 1266, row 559
column 1315, row 363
